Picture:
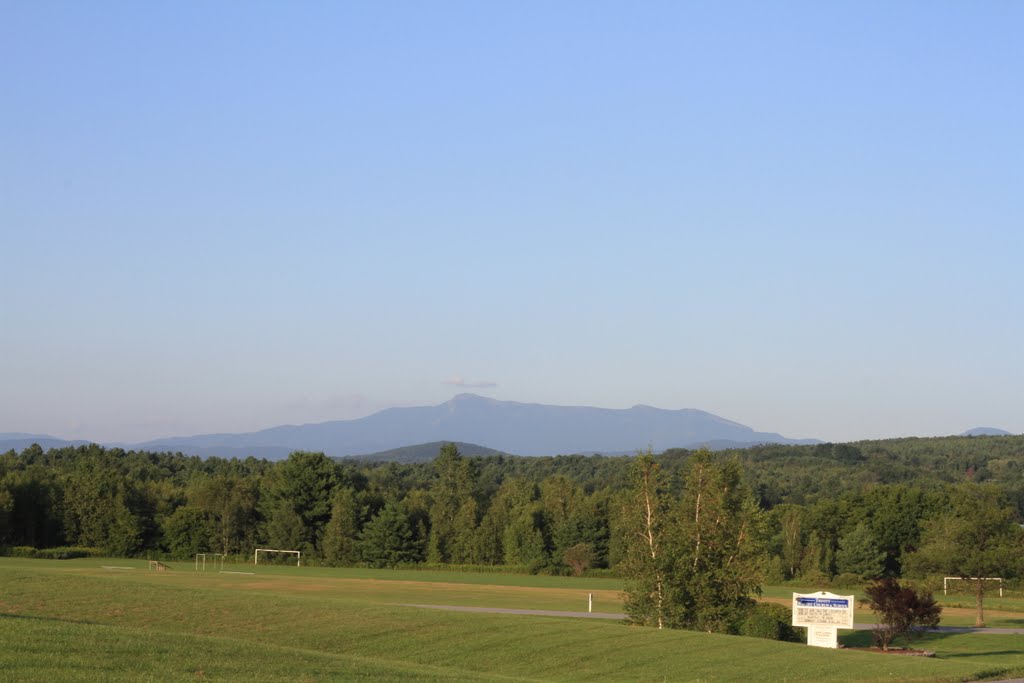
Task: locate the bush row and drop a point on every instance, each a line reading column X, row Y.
column 66, row 553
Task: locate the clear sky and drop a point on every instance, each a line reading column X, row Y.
column 807, row 217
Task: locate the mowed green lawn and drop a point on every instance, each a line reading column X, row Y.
column 76, row 621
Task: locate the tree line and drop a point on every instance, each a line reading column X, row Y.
column 820, row 514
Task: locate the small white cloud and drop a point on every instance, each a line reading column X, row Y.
column 479, row 384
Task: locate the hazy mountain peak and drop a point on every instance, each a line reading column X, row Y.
column 508, row 426
column 986, row 431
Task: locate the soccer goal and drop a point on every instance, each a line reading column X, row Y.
column 215, row 558
column 296, row 553
column 948, row 579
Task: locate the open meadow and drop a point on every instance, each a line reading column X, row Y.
column 114, row 620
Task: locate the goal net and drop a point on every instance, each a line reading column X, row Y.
column 215, row 559
column 267, row 551
column 948, row 582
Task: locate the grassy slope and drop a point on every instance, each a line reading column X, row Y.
column 77, row 621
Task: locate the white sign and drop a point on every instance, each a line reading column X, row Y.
column 823, row 614
column 823, row 609
column 823, row 636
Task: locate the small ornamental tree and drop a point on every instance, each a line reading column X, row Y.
column 579, row 557
column 900, row 610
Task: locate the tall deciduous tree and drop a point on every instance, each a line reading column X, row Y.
column 187, row 531
column 98, row 505
column 979, row 538
column 792, row 537
column 229, row 500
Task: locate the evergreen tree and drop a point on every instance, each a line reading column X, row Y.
column 463, row 544
column 523, row 540
column 512, row 496
column 6, row 513
column 339, row 542
column 285, row 530
column 452, row 487
column 387, row 540
column 305, row 484
column 859, row 553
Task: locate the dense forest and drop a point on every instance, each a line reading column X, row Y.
column 825, row 511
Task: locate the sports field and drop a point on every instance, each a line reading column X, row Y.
column 79, row 621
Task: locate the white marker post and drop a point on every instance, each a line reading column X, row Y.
column 823, row 614
column 590, row 602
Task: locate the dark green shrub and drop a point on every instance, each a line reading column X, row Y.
column 847, row 580
column 767, row 620
column 53, row 553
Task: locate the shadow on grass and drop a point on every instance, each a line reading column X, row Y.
column 856, row 639
column 31, row 617
column 931, row 640
column 990, row 653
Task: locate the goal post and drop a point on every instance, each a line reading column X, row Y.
column 947, row 579
column 214, row 558
column 296, row 553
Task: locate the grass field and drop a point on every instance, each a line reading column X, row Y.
column 76, row 621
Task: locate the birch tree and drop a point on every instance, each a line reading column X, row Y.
column 716, row 546
column 645, row 567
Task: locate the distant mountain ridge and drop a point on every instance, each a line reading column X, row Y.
column 424, row 452
column 19, row 441
column 506, row 426
column 986, row 431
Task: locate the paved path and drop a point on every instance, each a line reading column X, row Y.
column 615, row 615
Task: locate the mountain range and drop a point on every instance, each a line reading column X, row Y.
column 499, row 426
column 506, row 426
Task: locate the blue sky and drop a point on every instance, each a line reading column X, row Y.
column 805, row 217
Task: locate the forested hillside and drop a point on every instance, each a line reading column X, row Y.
column 854, row 509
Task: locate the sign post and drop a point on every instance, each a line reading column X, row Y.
column 823, row 614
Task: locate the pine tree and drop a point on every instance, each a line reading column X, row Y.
column 453, row 486
column 285, row 530
column 859, row 553
column 339, row 542
column 387, row 540
column 523, row 540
